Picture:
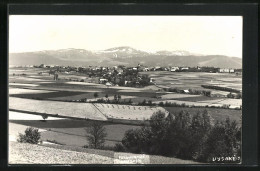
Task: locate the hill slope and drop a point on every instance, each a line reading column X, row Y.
column 23, row 153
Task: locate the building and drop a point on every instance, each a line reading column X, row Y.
column 146, row 69
column 226, row 70
column 231, row 70
column 174, row 69
column 108, row 84
column 102, row 80
column 185, row 68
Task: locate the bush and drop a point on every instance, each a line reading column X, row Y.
column 225, row 106
column 32, row 136
column 131, row 140
column 95, row 94
column 137, row 140
column 44, row 116
column 119, row 147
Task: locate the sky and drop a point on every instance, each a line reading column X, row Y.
column 208, row 35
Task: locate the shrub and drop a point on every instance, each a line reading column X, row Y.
column 130, row 101
column 85, row 146
column 119, row 147
column 137, row 140
column 100, row 100
column 95, row 94
column 44, row 116
column 32, row 136
column 225, row 106
column 161, row 104
column 131, row 140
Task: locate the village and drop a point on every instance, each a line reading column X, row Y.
column 125, row 76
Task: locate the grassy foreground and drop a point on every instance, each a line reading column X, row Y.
column 23, row 153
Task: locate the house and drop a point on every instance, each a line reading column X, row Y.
column 42, row 66
column 120, row 71
column 102, row 80
column 184, row 68
column 146, row 69
column 231, row 70
column 224, row 70
column 174, row 69
column 108, row 84
column 186, row 91
column 158, row 68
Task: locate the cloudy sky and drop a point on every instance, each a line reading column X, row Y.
column 210, row 35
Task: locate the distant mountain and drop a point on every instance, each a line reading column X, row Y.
column 122, row 52
column 176, row 53
column 122, row 56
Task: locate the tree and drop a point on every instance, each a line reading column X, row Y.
column 222, row 141
column 130, row 101
column 200, row 127
column 178, row 140
column 96, row 134
column 118, row 97
column 44, row 116
column 95, row 94
column 144, row 102
column 115, row 97
column 32, row 136
column 106, row 96
column 131, row 140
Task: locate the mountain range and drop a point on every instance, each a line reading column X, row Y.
column 122, row 56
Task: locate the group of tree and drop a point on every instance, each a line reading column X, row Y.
column 234, row 95
column 115, row 101
column 182, row 136
column 190, row 91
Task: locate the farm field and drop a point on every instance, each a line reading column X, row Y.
column 26, row 91
column 91, row 111
column 194, row 80
column 65, row 131
column 75, row 110
column 128, row 112
column 66, row 90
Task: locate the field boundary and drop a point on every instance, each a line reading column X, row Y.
column 110, row 121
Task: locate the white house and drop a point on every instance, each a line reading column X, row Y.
column 102, row 80
column 173, row 69
column 184, row 68
column 223, row 70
